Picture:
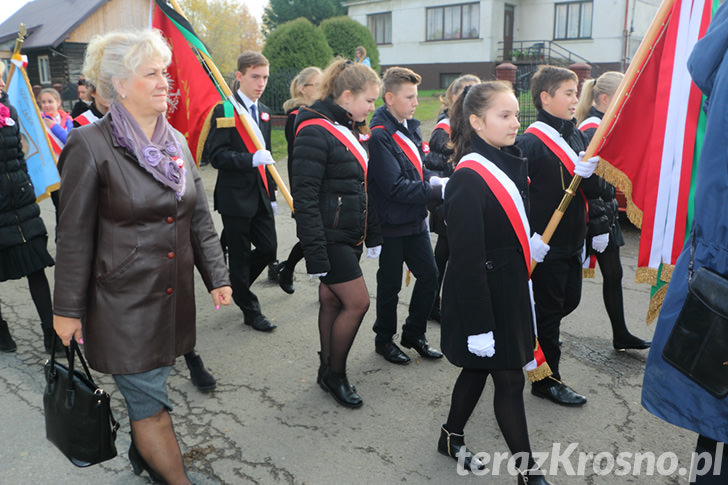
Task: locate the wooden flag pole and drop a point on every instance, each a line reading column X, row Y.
column 212, row 68
column 612, row 115
column 16, row 49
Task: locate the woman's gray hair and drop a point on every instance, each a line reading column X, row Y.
column 117, row 55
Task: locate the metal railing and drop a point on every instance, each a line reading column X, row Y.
column 539, row 52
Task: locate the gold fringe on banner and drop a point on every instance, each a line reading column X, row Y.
column 655, row 304
column 588, row 272
column 204, row 134
column 666, row 273
column 646, row 275
column 539, row 373
column 620, row 180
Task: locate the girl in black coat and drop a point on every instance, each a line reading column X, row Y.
column 332, row 216
column 487, row 317
column 596, row 96
column 304, row 89
column 438, row 160
column 23, row 235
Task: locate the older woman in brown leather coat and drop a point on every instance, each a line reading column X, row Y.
column 133, row 222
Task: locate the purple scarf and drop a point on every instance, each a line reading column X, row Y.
column 160, row 157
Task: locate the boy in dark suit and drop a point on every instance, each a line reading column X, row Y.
column 244, row 192
column 554, row 148
column 400, row 188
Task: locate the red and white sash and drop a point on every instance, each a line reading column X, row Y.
column 507, row 194
column 443, row 124
column 559, row 147
column 86, row 118
column 410, row 150
column 344, row 135
column 508, row 197
column 247, row 137
column 589, row 123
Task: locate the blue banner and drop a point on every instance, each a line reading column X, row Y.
column 39, row 156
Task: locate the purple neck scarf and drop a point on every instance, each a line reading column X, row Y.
column 161, row 156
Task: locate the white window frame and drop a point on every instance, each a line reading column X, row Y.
column 44, row 69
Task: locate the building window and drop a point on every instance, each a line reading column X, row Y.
column 446, row 78
column 453, row 22
column 573, row 20
column 380, row 25
column 44, row 70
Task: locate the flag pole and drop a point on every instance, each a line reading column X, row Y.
column 644, row 51
column 222, row 84
column 16, row 49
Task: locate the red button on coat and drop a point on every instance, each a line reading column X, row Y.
column 170, row 291
column 170, row 255
column 170, row 220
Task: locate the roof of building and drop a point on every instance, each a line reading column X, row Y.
column 48, row 22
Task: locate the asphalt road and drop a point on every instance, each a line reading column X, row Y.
column 268, row 421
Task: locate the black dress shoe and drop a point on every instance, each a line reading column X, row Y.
column 260, row 323
column 138, row 464
column 452, row 444
column 422, row 347
column 557, row 392
column 391, row 352
column 339, row 387
column 285, row 278
column 630, row 342
column 532, row 477
column 199, row 376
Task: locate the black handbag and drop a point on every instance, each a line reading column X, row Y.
column 698, row 344
column 77, row 412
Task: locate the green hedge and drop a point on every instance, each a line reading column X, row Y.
column 345, row 34
column 289, row 48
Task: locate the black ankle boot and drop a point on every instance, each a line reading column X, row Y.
column 138, row 464
column 199, row 376
column 7, row 344
column 534, row 476
column 273, row 272
column 285, row 278
column 450, row 444
column 50, row 338
column 323, row 369
column 339, row 387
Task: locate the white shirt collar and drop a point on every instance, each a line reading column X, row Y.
column 247, row 101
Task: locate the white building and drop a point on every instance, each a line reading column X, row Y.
column 441, row 39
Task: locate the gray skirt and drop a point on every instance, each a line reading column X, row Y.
column 145, row 393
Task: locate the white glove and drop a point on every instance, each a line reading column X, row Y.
column 373, row 253
column 439, row 182
column 585, row 169
column 482, row 345
column 539, row 249
column 262, row 157
column 274, row 206
column 600, row 242
column 317, row 275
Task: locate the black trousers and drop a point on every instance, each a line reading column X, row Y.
column 416, row 252
column 240, row 234
column 557, row 292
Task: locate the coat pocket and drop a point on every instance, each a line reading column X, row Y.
column 119, row 270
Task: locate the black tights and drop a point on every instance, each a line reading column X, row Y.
column 40, row 292
column 294, row 256
column 507, row 404
column 611, row 268
column 342, row 310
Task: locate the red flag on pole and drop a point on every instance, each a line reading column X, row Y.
column 193, row 94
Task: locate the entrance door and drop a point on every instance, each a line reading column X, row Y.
column 508, row 15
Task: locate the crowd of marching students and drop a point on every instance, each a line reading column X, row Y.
column 367, row 189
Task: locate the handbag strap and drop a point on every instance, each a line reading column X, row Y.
column 74, row 348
